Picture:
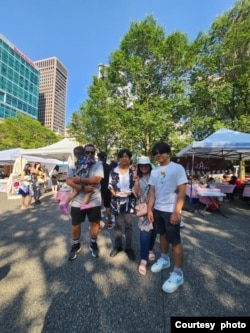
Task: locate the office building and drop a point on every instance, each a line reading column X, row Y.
column 19, row 82
column 52, row 97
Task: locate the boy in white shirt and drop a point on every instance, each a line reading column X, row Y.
column 166, row 198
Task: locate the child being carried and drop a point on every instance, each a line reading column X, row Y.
column 82, row 167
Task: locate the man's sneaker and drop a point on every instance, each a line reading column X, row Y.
column 173, row 282
column 160, row 265
column 75, row 249
column 94, row 249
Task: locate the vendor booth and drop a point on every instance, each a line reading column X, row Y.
column 224, row 144
column 58, row 153
column 13, row 161
column 62, row 150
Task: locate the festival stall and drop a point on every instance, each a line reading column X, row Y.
column 62, row 150
column 224, row 144
column 14, row 160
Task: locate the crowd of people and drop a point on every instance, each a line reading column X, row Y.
column 33, row 183
column 118, row 188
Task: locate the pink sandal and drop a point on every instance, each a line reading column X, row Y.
column 85, row 206
column 142, row 269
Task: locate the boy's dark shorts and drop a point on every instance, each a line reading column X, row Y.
column 78, row 215
column 163, row 226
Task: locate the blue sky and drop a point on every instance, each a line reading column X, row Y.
column 83, row 33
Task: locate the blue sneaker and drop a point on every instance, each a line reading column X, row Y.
column 173, row 282
column 160, row 265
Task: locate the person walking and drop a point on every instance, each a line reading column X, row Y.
column 121, row 183
column 85, row 185
column 27, row 191
column 54, row 179
column 147, row 230
column 167, row 194
column 37, row 180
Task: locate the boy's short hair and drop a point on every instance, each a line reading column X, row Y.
column 161, row 148
column 103, row 156
column 78, row 151
column 124, row 151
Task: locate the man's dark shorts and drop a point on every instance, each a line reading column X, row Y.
column 163, row 226
column 106, row 198
column 78, row 215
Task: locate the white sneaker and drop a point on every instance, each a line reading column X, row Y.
column 160, row 265
column 173, row 282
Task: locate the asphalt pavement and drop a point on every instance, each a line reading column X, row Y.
column 41, row 291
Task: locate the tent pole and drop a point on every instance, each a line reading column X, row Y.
column 192, row 174
column 242, row 174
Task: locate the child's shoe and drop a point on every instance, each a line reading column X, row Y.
column 64, row 209
column 85, row 206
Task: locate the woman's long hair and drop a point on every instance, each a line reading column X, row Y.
column 26, row 168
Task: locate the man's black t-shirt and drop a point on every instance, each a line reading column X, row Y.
column 105, row 181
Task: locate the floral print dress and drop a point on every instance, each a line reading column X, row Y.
column 143, row 222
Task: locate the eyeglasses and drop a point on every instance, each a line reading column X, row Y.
column 89, row 152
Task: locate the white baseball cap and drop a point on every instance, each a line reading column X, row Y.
column 143, row 160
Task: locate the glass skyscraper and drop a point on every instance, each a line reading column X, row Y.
column 19, row 82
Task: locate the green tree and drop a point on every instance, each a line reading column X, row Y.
column 24, row 132
column 220, row 76
column 142, row 95
column 158, row 87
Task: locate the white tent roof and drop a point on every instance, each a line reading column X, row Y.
column 231, row 145
column 9, row 155
column 60, row 150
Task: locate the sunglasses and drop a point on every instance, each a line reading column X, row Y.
column 158, row 153
column 88, row 152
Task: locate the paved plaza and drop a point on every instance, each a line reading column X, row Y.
column 41, row 291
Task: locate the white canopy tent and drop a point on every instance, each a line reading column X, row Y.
column 61, row 150
column 9, row 156
column 225, row 143
column 231, row 145
column 18, row 158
